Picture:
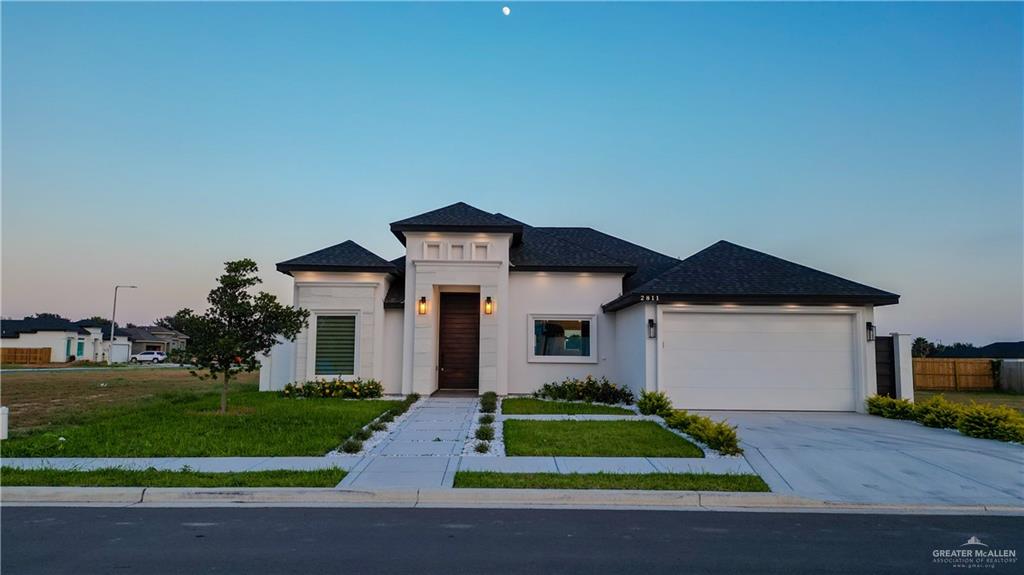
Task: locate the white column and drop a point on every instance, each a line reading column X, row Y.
column 904, row 365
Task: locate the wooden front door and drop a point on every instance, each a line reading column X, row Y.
column 459, row 346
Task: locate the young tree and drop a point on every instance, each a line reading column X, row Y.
column 178, row 322
column 237, row 327
column 922, row 347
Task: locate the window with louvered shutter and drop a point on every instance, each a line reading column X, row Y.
column 335, row 345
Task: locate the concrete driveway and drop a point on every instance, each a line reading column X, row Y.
column 849, row 457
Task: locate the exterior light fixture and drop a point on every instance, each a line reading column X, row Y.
column 652, row 329
column 488, row 305
column 422, row 307
column 871, row 331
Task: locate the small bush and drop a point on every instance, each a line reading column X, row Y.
column 485, row 433
column 354, row 389
column 489, row 402
column 489, row 396
column 587, row 389
column 992, row 422
column 482, row 447
column 377, row 426
column 352, row 446
column 890, row 408
column 654, row 403
column 486, row 419
column 938, row 412
column 363, row 434
column 717, row 435
column 386, row 417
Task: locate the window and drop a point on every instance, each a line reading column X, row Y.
column 335, row 345
column 564, row 339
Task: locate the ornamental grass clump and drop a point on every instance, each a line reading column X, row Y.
column 485, row 433
column 588, row 389
column 352, row 446
column 486, row 419
column 336, row 388
column 482, row 447
column 654, row 403
column 363, row 434
column 489, row 402
column 717, row 435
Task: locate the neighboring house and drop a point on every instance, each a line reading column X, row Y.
column 483, row 302
column 101, row 329
column 155, row 338
column 66, row 340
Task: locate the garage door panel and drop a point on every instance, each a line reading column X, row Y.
column 758, row 361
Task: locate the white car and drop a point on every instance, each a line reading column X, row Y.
column 149, row 357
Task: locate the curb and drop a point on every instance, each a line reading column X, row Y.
column 465, row 498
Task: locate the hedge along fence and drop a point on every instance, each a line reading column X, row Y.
column 954, row 374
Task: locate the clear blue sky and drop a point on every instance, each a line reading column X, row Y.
column 148, row 143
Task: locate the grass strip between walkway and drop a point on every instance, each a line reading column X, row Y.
column 118, row 477
column 531, row 406
column 643, row 481
column 594, row 439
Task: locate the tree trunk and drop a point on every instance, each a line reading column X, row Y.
column 224, row 393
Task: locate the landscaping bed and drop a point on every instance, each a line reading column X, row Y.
column 117, row 477
column 644, row 481
column 594, row 439
column 979, row 420
column 188, row 425
column 531, row 406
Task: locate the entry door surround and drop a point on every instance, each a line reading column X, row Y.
column 458, row 351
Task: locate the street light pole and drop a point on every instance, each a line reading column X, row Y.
column 113, row 325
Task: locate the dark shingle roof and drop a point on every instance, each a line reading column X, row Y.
column 726, row 272
column 347, row 256
column 648, row 263
column 11, row 328
column 541, row 251
column 458, row 217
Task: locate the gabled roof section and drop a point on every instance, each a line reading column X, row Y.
column 347, row 256
column 648, row 263
column 458, row 217
column 11, row 328
column 729, row 273
column 541, row 251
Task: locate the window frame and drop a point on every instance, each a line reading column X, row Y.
column 311, row 373
column 531, row 338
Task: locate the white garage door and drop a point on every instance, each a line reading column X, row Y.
column 119, row 353
column 758, row 361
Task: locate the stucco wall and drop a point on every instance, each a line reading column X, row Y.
column 635, row 351
column 559, row 293
column 55, row 340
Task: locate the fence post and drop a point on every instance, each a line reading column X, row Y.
column 956, row 377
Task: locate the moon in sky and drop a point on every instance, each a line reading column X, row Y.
column 506, row 10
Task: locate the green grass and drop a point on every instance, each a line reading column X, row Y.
column 595, row 439
column 530, row 406
column 116, row 477
column 188, row 425
column 647, row 481
column 1014, row 400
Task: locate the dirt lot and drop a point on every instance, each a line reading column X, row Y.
column 39, row 398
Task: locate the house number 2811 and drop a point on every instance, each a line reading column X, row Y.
column 648, row 298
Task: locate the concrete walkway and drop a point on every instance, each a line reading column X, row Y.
column 422, row 451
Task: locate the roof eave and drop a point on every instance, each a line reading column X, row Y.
column 627, row 300
column 287, row 268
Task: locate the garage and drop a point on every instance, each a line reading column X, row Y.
column 785, row 360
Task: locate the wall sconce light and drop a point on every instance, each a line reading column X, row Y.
column 871, row 331
column 488, row 305
column 652, row 329
column 422, row 307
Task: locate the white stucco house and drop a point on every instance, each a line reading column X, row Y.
column 66, row 340
column 483, row 302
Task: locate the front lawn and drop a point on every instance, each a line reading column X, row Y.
column 188, row 425
column 530, row 406
column 1014, row 400
column 646, row 481
column 116, row 477
column 595, row 439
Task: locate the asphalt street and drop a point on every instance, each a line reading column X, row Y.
column 423, row 541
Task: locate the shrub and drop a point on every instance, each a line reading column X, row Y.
column 362, row 434
column 354, row 389
column 717, row 435
column 485, row 433
column 586, row 389
column 938, row 412
column 352, row 446
column 486, row 419
column 490, row 396
column 377, row 426
column 386, row 417
column 483, row 447
column 890, row 408
column 489, row 402
column 654, row 403
column 992, row 422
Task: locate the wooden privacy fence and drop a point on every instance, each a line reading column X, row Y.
column 949, row 374
column 22, row 355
